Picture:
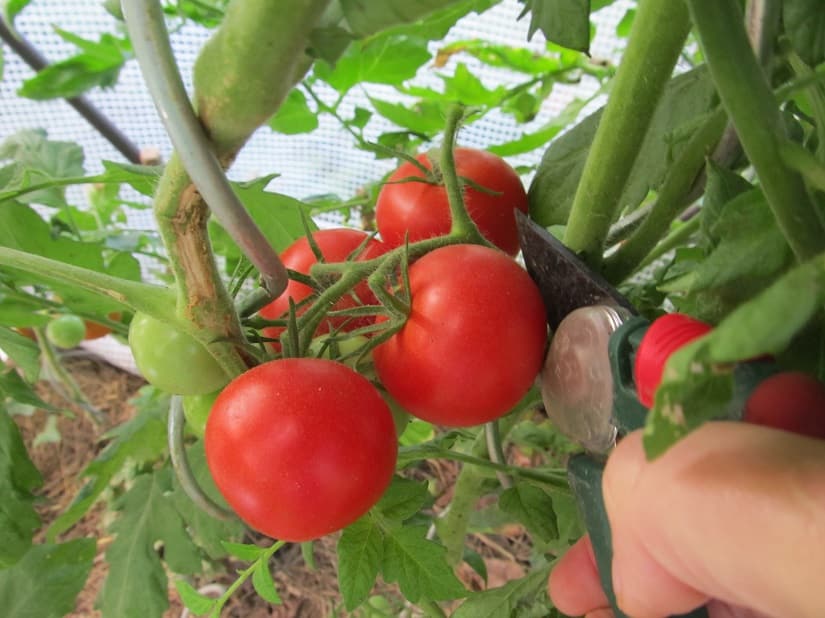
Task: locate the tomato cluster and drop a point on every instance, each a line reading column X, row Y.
column 302, row 446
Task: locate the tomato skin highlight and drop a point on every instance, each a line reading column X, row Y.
column 422, row 210
column 791, row 401
column 300, row 447
column 171, row 360
column 335, row 245
column 474, row 341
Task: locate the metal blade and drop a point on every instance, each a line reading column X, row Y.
column 565, row 281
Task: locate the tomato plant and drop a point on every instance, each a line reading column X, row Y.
column 473, row 341
column 300, row 447
column 66, row 331
column 412, row 207
column 196, row 410
column 336, row 245
column 171, row 360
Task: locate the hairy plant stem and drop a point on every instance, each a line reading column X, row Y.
column 747, row 96
column 671, row 200
column 241, row 76
column 658, row 35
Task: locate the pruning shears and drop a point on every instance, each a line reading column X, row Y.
column 588, row 384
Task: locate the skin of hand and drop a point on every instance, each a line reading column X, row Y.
column 732, row 516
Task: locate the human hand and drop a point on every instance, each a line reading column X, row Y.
column 732, row 516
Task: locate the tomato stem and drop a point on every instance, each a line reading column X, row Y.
column 243, row 575
column 747, row 96
column 656, row 40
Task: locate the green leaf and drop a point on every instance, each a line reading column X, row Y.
column 294, row 115
column 507, row 599
column 49, row 434
column 804, row 22
column 98, row 64
column 366, row 17
column 18, row 478
column 244, row 551
column 263, row 583
column 464, row 87
column 533, row 507
column 328, row 43
column 722, row 186
column 141, row 439
column 360, row 553
column 419, row 566
column 14, row 387
column 422, row 117
column 403, row 499
column 624, row 25
column 12, row 8
column 518, row 59
column 142, row 178
column 197, row 603
column 564, row 22
column 384, row 60
column 146, row 517
column 23, row 351
column 46, row 581
column 38, row 159
column 686, row 100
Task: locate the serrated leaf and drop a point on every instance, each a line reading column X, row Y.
column 385, row 60
column 564, row 22
column 403, row 499
column 142, row 178
column 18, row 478
column 721, row 187
column 423, row 117
column 360, row 552
column 804, row 22
column 464, row 87
column 13, row 387
column 366, row 17
column 533, row 507
column 194, row 601
column 143, row 438
column 47, row 580
column 146, row 517
column 98, row 64
column 419, row 566
column 504, row 601
column 263, row 583
column 294, row 115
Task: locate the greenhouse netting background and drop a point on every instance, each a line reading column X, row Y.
column 322, row 162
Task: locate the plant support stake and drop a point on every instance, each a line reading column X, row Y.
column 145, row 22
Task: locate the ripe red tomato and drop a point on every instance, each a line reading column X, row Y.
column 791, row 401
column 335, row 245
column 473, row 342
column 94, row 330
column 664, row 337
column 422, row 210
column 300, row 447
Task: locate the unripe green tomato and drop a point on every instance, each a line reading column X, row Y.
column 348, row 345
column 66, row 331
column 173, row 361
column 196, row 410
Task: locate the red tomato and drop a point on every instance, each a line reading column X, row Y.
column 791, row 401
column 664, row 337
column 96, row 331
column 300, row 447
column 335, row 245
column 474, row 340
column 422, row 210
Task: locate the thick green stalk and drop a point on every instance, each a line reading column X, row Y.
column 656, row 40
column 671, row 199
column 746, row 94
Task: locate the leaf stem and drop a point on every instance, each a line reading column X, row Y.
column 657, row 37
column 243, row 575
column 747, row 96
column 671, row 200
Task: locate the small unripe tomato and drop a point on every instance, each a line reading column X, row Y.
column 66, row 331
column 664, row 337
column 196, row 410
column 791, row 401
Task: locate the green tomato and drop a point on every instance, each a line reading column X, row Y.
column 66, row 331
column 196, row 410
column 173, row 361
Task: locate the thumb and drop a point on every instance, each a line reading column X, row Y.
column 733, row 512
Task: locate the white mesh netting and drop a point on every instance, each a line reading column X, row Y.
column 324, row 161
